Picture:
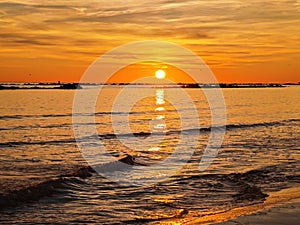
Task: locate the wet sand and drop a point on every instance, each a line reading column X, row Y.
column 279, row 208
column 287, row 214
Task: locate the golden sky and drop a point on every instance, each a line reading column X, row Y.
column 241, row 40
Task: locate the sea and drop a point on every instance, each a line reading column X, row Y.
column 50, row 175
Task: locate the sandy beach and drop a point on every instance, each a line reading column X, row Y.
column 280, row 208
column 287, row 214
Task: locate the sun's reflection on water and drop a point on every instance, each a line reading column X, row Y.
column 158, row 124
column 160, row 97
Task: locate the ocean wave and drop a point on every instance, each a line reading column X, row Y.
column 28, row 127
column 206, row 129
column 146, row 134
column 44, row 188
column 176, row 214
column 263, row 178
column 69, row 181
column 53, row 142
column 248, row 187
column 18, row 117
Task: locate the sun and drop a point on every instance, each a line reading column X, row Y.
column 160, row 74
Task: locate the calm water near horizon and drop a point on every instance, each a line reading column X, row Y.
column 259, row 155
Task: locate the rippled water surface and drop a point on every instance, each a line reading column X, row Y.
column 259, row 155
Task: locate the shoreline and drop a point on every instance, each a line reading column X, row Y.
column 268, row 210
column 286, row 214
column 275, row 200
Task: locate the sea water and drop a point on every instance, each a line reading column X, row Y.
column 259, row 155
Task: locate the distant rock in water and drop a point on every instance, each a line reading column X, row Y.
column 128, row 159
column 2, row 87
column 125, row 163
column 70, row 86
column 41, row 86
